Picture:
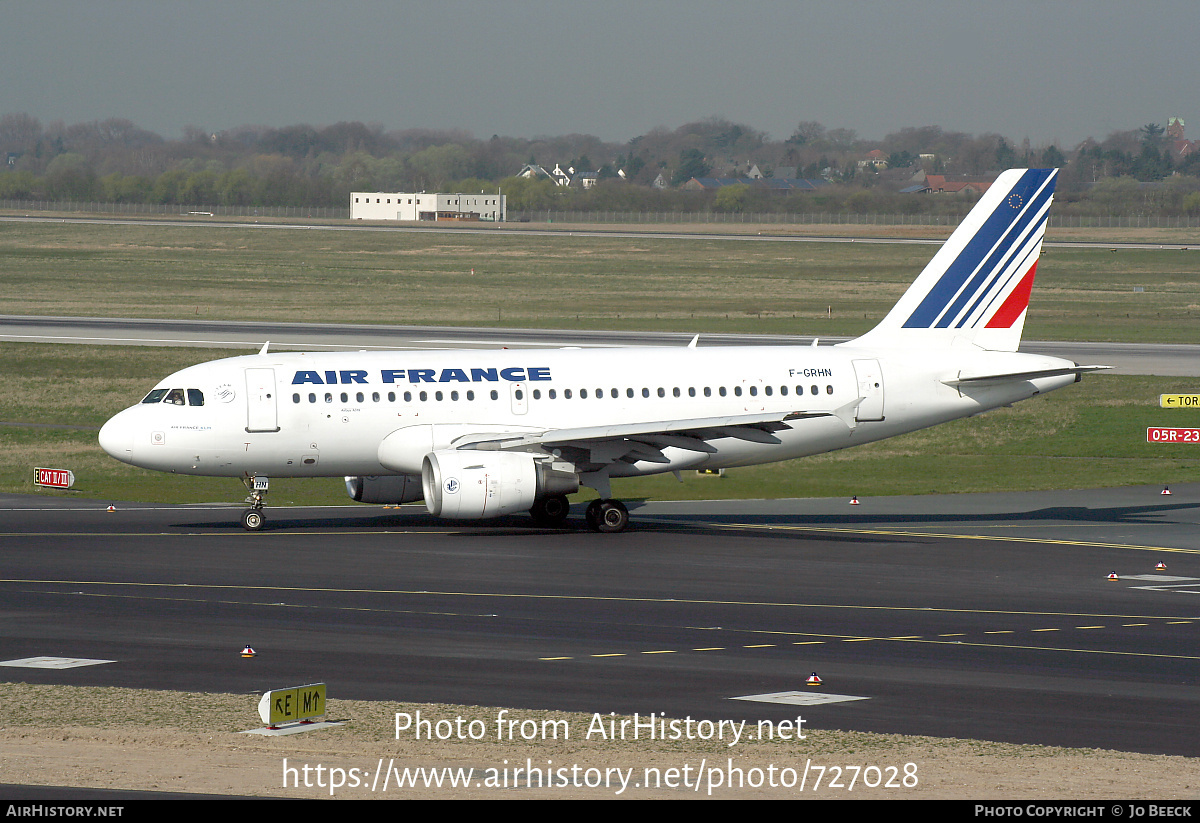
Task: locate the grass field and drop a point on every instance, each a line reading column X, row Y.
column 564, row 281
column 1087, row 435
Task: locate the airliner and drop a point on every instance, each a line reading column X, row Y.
column 480, row 434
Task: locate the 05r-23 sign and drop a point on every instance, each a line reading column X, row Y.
column 1172, row 435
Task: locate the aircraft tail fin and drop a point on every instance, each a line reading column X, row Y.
column 975, row 290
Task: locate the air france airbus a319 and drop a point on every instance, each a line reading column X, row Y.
column 480, row 434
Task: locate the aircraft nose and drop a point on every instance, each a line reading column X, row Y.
column 116, row 438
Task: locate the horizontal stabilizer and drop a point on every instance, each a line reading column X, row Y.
column 966, row 378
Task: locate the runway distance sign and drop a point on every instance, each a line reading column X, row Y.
column 53, row 478
column 1179, row 401
column 1172, row 435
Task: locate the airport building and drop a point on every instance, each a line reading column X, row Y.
column 383, row 205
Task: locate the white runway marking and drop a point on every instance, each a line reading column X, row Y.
column 800, row 698
column 1167, row 583
column 52, row 662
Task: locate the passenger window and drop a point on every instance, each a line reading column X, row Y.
column 737, row 391
column 328, row 397
column 813, row 390
column 345, row 397
column 754, row 391
column 312, row 398
column 583, row 394
column 721, row 391
column 495, row 396
column 295, row 398
column 829, row 389
column 707, row 391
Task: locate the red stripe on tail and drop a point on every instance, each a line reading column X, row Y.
column 1016, row 303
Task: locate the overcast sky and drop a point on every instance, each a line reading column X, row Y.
column 1049, row 70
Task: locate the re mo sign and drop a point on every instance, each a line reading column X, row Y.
column 54, row 478
column 291, row 705
column 1172, row 435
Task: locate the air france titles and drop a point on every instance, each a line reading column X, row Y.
column 512, row 374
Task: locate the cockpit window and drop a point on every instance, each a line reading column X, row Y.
column 175, row 396
column 195, row 397
column 154, row 396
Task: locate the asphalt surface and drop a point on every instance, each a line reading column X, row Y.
column 972, row 616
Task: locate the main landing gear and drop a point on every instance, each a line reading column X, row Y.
column 253, row 518
column 551, row 511
column 607, row 516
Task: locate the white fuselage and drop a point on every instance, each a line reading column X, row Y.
column 327, row 414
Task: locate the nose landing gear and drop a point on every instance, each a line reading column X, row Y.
column 253, row 518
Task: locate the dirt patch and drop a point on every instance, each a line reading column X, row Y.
column 180, row 742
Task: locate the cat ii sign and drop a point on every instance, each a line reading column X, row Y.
column 53, row 478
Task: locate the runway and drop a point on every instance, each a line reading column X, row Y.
column 1175, row 360
column 772, row 235
column 970, row 616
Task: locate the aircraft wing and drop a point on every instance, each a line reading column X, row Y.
column 645, row 441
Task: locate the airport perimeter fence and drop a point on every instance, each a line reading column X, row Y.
column 1143, row 221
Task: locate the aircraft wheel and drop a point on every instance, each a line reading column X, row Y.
column 253, row 520
column 607, row 516
column 551, row 511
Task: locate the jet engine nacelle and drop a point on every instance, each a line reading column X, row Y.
column 394, row 489
column 473, row 485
